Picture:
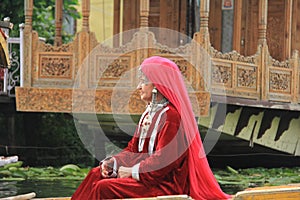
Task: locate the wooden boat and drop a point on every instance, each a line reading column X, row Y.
column 286, row 192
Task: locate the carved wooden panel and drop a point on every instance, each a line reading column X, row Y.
column 221, row 75
column 183, row 66
column 69, row 100
column 93, row 101
column 280, row 81
column 109, row 69
column 53, row 65
column 235, row 75
column 201, row 104
column 44, row 47
column 247, row 77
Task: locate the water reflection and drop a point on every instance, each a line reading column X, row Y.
column 57, row 188
column 42, row 188
column 8, row 188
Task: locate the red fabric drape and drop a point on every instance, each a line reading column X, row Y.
column 167, row 78
column 164, row 172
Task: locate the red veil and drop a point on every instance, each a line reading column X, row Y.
column 168, row 80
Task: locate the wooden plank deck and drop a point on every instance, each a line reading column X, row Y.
column 288, row 192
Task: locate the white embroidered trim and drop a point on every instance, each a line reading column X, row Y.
column 150, row 110
column 142, row 117
column 135, row 172
column 154, row 132
column 141, row 139
column 115, row 165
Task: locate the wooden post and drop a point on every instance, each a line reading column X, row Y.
column 295, row 19
column 143, row 40
column 262, row 22
column 85, row 15
column 116, row 30
column 288, row 31
column 144, row 13
column 28, row 13
column 202, row 62
column 84, row 44
column 204, row 33
column 262, row 41
column 295, row 77
column 237, row 34
column 58, row 22
column 27, row 44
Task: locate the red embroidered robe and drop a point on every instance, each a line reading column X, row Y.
column 161, row 170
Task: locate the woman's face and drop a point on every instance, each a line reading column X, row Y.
column 145, row 88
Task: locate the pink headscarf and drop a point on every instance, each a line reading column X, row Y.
column 167, row 78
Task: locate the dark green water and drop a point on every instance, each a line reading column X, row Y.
column 42, row 188
column 57, row 188
column 230, row 180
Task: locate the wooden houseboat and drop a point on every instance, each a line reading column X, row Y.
column 249, row 89
column 240, row 59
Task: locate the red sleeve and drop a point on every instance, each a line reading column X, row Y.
column 167, row 154
column 129, row 156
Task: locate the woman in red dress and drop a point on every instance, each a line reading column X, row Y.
column 165, row 155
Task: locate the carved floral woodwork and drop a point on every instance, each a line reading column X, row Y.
column 280, row 81
column 232, row 56
column 235, row 75
column 230, row 74
column 109, row 69
column 222, row 74
column 51, row 72
column 104, row 101
column 59, row 71
column 44, row 47
column 247, row 77
column 55, row 66
column 75, row 100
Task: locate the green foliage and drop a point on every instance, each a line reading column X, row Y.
column 15, row 11
column 44, row 22
column 43, row 139
column 54, row 130
column 58, row 130
column 43, row 19
column 231, row 180
column 19, row 173
column 256, row 177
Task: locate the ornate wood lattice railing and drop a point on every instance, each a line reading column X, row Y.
column 263, row 80
column 56, row 75
column 53, row 72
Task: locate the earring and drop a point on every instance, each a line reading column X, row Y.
column 154, row 95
